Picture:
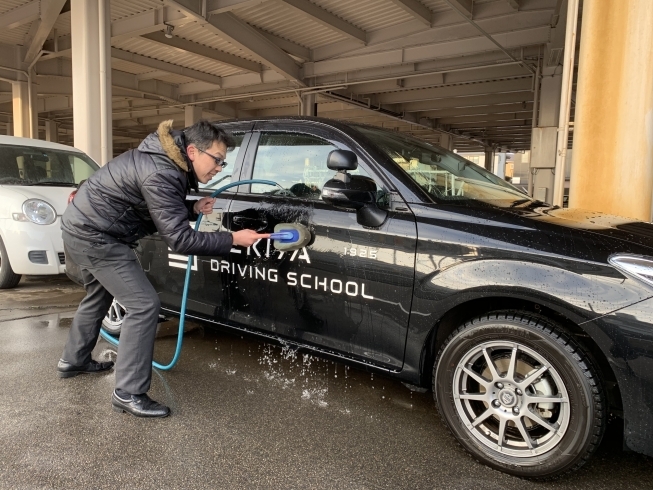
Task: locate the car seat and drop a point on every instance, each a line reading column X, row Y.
column 8, row 166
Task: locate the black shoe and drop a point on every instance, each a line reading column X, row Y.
column 139, row 405
column 67, row 370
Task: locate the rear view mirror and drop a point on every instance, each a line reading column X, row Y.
column 38, row 157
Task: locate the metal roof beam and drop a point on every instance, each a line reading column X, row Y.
column 481, row 119
column 222, row 6
column 426, row 52
column 64, row 50
column 485, row 14
column 290, row 101
column 59, row 82
column 289, row 47
column 525, row 123
column 204, row 51
column 478, row 111
column 501, row 86
column 146, row 22
column 21, row 15
column 241, row 34
column 249, row 39
column 468, row 101
column 464, row 7
column 327, row 19
column 50, row 10
column 165, row 66
column 416, row 9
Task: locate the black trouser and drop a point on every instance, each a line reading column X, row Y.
column 112, row 271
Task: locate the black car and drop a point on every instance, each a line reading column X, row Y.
column 531, row 323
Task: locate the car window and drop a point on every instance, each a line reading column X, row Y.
column 224, row 177
column 442, row 174
column 295, row 161
column 26, row 165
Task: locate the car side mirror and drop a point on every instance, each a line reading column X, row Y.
column 356, row 192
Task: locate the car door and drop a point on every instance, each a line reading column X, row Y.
column 350, row 288
column 166, row 270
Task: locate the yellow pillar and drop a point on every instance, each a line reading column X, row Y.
column 612, row 164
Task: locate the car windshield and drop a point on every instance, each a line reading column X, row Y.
column 27, row 165
column 442, row 174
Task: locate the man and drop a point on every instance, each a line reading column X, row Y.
column 136, row 194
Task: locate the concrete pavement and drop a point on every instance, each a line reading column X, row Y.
column 245, row 415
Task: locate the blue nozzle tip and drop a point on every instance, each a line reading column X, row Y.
column 286, row 236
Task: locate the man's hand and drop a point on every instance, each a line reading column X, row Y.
column 247, row 238
column 204, row 205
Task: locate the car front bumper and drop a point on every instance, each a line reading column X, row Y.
column 21, row 238
column 626, row 336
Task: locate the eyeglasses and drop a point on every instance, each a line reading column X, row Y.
column 218, row 161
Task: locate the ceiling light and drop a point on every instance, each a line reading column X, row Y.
column 169, row 30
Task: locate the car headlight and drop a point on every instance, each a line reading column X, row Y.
column 39, row 212
column 637, row 266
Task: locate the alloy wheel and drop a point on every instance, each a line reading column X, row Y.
column 511, row 399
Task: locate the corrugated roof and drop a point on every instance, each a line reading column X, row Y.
column 435, row 5
column 369, row 15
column 176, row 56
column 202, row 35
column 126, row 8
column 15, row 35
column 286, row 22
column 7, row 5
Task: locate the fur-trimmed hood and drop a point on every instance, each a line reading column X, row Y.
column 167, row 142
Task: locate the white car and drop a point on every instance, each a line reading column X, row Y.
column 37, row 179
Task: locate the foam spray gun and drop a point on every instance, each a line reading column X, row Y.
column 286, row 236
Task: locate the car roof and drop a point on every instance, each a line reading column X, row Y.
column 16, row 141
column 335, row 123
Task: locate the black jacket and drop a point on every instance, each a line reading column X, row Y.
column 139, row 193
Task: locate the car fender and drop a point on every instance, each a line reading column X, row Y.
column 580, row 293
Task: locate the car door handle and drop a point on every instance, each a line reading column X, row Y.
column 251, row 223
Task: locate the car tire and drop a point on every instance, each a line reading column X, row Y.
column 112, row 321
column 8, row 278
column 524, row 377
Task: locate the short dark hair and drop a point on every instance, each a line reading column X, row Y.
column 202, row 134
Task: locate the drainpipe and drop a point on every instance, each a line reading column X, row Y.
column 106, row 120
column 30, row 102
column 565, row 102
column 536, row 108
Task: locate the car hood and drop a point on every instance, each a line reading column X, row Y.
column 57, row 197
column 536, row 228
column 633, row 232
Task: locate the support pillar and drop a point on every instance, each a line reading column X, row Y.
column 309, row 105
column 51, row 131
column 489, row 159
column 446, row 141
column 544, row 136
column 9, row 129
column 87, row 110
column 106, row 106
column 192, row 113
column 20, row 97
column 501, row 166
column 612, row 161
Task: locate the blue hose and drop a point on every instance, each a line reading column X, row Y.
column 182, row 318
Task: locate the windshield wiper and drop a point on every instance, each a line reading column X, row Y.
column 57, row 184
column 520, row 201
